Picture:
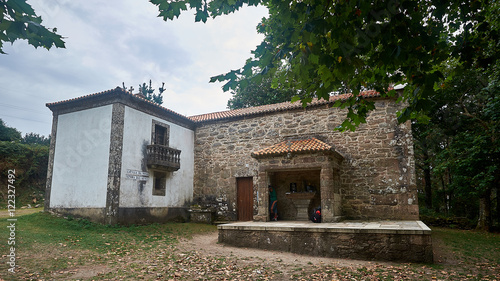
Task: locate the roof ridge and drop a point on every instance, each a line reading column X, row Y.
column 49, row 104
column 247, row 111
column 226, row 114
column 120, row 91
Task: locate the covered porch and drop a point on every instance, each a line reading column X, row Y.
column 305, row 174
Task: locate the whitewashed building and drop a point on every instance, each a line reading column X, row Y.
column 112, row 156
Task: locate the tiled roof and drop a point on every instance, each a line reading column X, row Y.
column 242, row 112
column 116, row 91
column 275, row 107
column 294, row 146
column 50, row 104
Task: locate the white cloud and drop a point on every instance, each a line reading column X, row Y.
column 110, row 42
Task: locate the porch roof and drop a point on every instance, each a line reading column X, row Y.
column 294, row 146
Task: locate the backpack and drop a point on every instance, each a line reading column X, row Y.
column 316, row 216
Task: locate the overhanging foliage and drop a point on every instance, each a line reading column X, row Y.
column 324, row 47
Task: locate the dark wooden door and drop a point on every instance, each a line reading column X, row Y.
column 245, row 198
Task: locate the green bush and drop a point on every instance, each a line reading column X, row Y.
column 30, row 164
column 432, row 218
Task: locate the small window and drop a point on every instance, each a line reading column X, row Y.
column 159, row 183
column 160, row 134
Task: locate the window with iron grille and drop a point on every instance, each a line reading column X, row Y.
column 159, row 183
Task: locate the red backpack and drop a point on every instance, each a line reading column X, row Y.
column 316, row 216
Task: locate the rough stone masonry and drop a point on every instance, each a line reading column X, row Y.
column 376, row 179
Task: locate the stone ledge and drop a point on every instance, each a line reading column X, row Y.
column 408, row 241
column 383, row 227
column 202, row 216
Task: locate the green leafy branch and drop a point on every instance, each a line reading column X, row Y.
column 18, row 21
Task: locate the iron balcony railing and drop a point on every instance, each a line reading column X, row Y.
column 163, row 157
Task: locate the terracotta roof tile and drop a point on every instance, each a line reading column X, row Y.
column 274, row 107
column 118, row 91
column 83, row 97
column 294, row 146
column 249, row 111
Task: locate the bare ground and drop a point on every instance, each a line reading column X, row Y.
column 207, row 244
column 203, row 258
column 4, row 213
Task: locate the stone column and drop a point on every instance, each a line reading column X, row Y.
column 115, row 163
column 327, row 194
column 50, row 168
column 337, row 198
column 263, row 196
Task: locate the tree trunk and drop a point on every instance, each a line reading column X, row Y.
column 427, row 176
column 498, row 202
column 428, row 188
column 445, row 196
column 484, row 220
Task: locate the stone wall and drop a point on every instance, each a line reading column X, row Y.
column 406, row 244
column 377, row 177
column 320, row 169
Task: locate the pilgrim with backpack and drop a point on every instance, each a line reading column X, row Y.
column 316, row 216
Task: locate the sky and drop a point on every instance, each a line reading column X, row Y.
column 123, row 41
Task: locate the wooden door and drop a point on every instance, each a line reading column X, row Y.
column 245, row 198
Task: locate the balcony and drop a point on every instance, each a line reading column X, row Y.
column 163, row 157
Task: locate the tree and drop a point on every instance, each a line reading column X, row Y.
column 258, row 94
column 29, row 157
column 324, row 47
column 8, row 133
column 19, row 21
column 461, row 141
column 347, row 46
column 424, row 141
column 147, row 92
column 33, row 138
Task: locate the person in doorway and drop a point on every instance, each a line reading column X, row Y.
column 316, row 216
column 273, row 203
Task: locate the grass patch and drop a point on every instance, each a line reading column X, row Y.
column 80, row 234
column 471, row 245
column 47, row 244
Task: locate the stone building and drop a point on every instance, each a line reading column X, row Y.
column 117, row 158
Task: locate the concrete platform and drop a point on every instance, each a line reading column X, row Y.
column 407, row 241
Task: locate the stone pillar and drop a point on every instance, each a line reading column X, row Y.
column 263, row 197
column 50, row 168
column 327, row 194
column 115, row 164
column 337, row 196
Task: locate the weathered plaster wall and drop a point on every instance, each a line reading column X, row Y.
column 80, row 171
column 377, row 175
column 137, row 135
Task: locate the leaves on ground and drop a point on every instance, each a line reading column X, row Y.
column 61, row 251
